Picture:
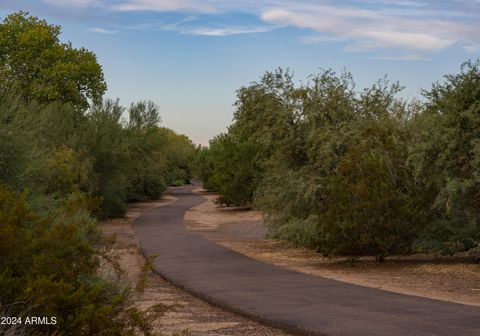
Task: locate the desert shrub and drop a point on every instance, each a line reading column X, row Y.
column 372, row 205
column 330, row 167
column 12, row 158
column 67, row 156
column 234, row 176
column 203, row 166
column 445, row 156
column 177, row 156
column 49, row 267
column 264, row 122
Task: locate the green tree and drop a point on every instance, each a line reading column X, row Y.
column 62, row 162
column 328, row 166
column 37, row 66
column 235, row 172
column 203, row 166
column 266, row 122
column 446, row 158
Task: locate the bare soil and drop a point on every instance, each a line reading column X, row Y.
column 449, row 279
column 185, row 314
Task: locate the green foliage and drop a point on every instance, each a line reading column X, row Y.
column 342, row 186
column 235, row 173
column 11, row 157
column 36, row 65
column 371, row 204
column 446, row 157
column 76, row 165
column 203, row 166
column 99, row 152
column 349, row 172
column 179, row 153
column 49, row 267
column 65, row 157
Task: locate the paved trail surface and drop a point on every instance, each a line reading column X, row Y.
column 297, row 302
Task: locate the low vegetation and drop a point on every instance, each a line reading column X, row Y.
column 350, row 172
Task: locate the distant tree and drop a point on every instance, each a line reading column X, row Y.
column 203, row 166
column 180, row 153
column 37, row 66
column 235, row 172
column 143, row 114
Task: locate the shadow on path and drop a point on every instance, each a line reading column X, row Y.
column 282, row 298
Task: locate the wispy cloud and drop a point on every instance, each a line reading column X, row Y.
column 472, row 48
column 71, row 3
column 102, row 31
column 189, row 26
column 368, row 30
column 312, row 39
column 406, row 58
column 165, row 6
column 412, row 27
column 204, row 31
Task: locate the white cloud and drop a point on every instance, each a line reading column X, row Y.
column 407, row 58
column 102, row 31
column 312, row 39
column 368, row 30
column 165, row 6
column 378, row 39
column 422, row 26
column 71, row 3
column 472, row 48
column 225, row 31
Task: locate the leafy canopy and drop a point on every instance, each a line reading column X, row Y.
column 37, row 66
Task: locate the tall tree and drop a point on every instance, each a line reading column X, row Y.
column 37, row 66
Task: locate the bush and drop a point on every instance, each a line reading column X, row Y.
column 446, row 158
column 235, row 173
column 349, row 172
column 66, row 156
column 49, row 267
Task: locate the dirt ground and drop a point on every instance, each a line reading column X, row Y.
column 185, row 315
column 427, row 276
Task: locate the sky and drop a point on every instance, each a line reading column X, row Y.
column 190, row 56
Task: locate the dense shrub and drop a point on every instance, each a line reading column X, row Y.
column 235, row 172
column 67, row 156
column 348, row 172
column 98, row 152
column 203, row 166
column 446, row 158
column 49, row 268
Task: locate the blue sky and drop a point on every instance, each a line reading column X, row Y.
column 189, row 56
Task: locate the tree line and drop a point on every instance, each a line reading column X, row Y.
column 355, row 172
column 67, row 157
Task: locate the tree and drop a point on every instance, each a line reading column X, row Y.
column 37, row 66
column 235, row 174
column 203, row 166
column 327, row 166
column 446, row 158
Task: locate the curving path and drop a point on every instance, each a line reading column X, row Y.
column 287, row 299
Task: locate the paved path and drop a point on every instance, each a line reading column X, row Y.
column 283, row 298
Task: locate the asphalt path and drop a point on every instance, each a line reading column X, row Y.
column 282, row 298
